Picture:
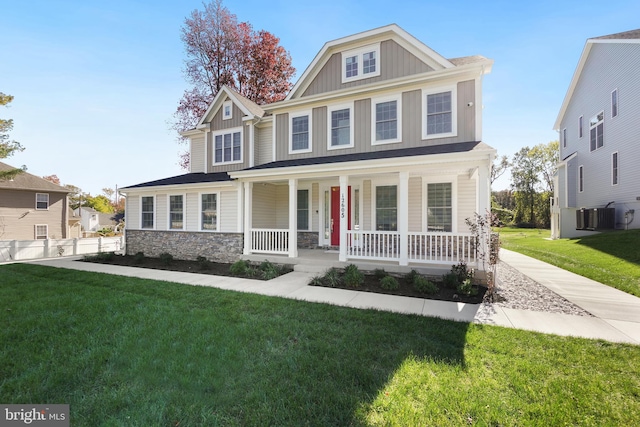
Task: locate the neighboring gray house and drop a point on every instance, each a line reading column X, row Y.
column 32, row 208
column 598, row 179
column 376, row 152
column 92, row 220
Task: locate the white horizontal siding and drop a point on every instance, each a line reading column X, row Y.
column 161, row 212
column 415, row 204
column 193, row 210
column 264, row 145
column 229, row 211
column 197, row 153
column 132, row 212
column 466, row 202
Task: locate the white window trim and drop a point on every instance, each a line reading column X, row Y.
column 359, row 54
column 224, row 132
column 337, row 107
column 184, row 211
column 581, row 179
column 453, row 179
column 617, row 103
column 226, row 104
column 380, row 100
column 309, row 198
column 48, row 201
column 595, row 126
column 454, row 111
column 617, row 168
column 154, row 212
column 292, row 116
column 217, row 193
column 564, row 138
column 381, row 182
column 35, row 231
column 580, row 125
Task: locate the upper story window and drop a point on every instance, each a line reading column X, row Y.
column 439, row 113
column 300, row 132
column 564, row 137
column 580, row 123
column 596, row 131
column 386, row 120
column 581, row 178
column 340, row 126
column 146, row 212
column 42, row 201
column 614, row 103
column 228, row 146
column 227, row 110
column 614, row 168
column 361, row 63
column 209, row 212
column 176, row 212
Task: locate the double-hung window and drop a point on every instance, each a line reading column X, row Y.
column 300, row 132
column 564, row 137
column 614, row 168
column 41, row 231
column 42, row 201
column 209, row 212
column 361, row 63
column 439, row 113
column 596, row 131
column 386, row 120
column 228, row 146
column 580, row 123
column 439, row 207
column 614, row 103
column 580, row 178
column 387, row 208
column 176, row 212
column 340, row 127
column 146, row 209
column 227, row 110
column 303, row 209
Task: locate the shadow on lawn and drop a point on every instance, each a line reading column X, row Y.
column 620, row 244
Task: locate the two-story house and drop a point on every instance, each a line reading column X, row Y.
column 597, row 184
column 376, row 153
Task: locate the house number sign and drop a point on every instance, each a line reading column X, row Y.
column 342, row 205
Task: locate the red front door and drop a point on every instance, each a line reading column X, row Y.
column 335, row 214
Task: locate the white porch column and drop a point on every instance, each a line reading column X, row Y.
column 403, row 217
column 483, row 186
column 344, row 221
column 293, row 218
column 247, row 212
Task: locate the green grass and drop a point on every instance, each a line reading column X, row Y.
column 125, row 351
column 612, row 258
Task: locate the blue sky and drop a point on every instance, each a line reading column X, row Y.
column 96, row 83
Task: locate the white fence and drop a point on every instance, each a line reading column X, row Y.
column 15, row 250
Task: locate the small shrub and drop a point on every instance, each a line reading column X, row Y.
column 389, row 283
column 239, row 268
column 352, row 276
column 316, row 281
column 99, row 257
column 379, row 273
column 166, row 258
column 461, row 272
column 252, row 272
column 425, row 286
column 411, row 277
column 138, row 258
column 332, row 278
column 269, row 270
column 467, row 288
column 450, row 280
column 203, row 263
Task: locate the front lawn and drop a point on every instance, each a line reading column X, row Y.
column 612, row 258
column 134, row 352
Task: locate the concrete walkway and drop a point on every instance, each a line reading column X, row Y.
column 617, row 313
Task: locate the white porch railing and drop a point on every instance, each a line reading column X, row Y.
column 270, row 241
column 450, row 248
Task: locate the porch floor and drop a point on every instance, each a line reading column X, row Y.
column 321, row 259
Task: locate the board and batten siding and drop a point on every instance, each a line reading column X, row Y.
column 18, row 215
column 196, row 162
column 217, row 125
column 395, row 61
column 264, row 145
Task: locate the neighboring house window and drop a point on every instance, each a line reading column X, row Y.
column 361, row 63
column 581, row 179
column 300, row 133
column 209, row 212
column 564, row 137
column 614, row 103
column 176, row 212
column 340, row 127
column 387, row 208
column 614, row 168
column 439, row 113
column 386, row 123
column 227, row 110
column 42, row 201
column 146, row 220
column 41, row 231
column 596, row 131
column 439, row 207
column 580, row 123
column 303, row 209
column 228, row 147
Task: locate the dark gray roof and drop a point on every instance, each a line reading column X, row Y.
column 627, row 35
column 189, row 178
column 27, row 181
column 458, row 147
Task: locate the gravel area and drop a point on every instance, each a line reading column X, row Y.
column 515, row 290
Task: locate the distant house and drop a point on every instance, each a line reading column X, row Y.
column 92, row 220
column 597, row 185
column 32, row 208
column 376, row 154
